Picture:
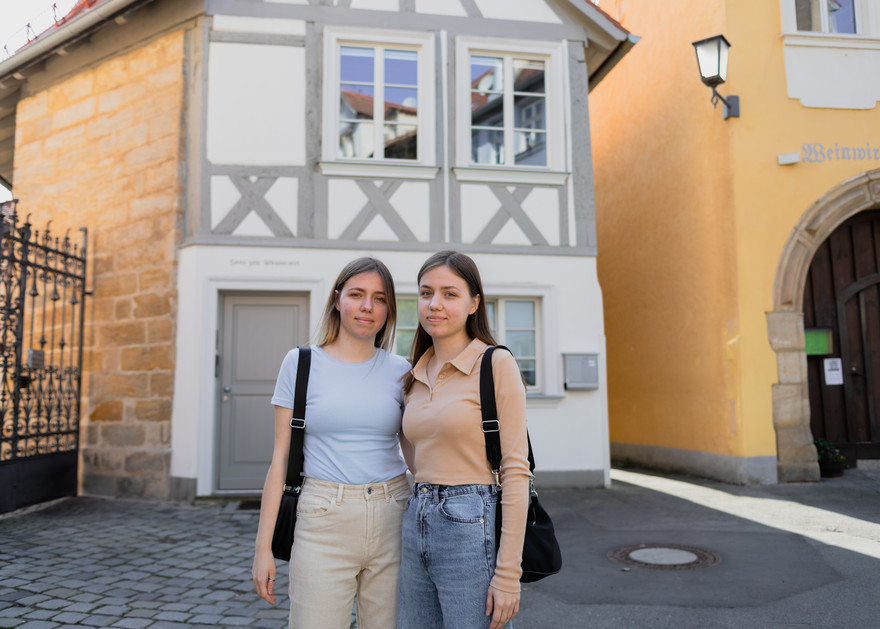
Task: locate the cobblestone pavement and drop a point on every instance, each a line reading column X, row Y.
column 797, row 555
column 90, row 562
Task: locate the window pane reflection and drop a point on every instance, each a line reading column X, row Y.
column 487, row 109
column 521, row 342
column 401, row 67
column 356, row 102
column 487, row 73
column 529, row 112
column 356, row 64
column 407, row 313
column 528, row 76
column 403, row 342
column 401, row 141
column 356, row 140
column 401, row 102
column 530, row 148
column 841, row 16
column 520, row 314
column 407, row 321
column 487, row 146
column 527, row 368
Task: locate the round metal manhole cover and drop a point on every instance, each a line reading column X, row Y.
column 664, row 556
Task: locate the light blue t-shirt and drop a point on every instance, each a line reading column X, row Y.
column 353, row 415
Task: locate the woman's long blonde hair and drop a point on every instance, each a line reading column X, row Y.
column 329, row 329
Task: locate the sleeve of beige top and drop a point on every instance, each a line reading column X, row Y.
column 408, row 454
column 510, row 396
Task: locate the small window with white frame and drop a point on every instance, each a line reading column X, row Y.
column 827, row 16
column 509, row 100
column 407, row 323
column 379, row 97
column 513, row 322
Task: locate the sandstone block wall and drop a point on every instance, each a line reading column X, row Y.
column 103, row 149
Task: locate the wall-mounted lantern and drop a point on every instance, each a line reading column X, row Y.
column 712, row 55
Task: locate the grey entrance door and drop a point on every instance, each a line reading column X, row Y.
column 257, row 330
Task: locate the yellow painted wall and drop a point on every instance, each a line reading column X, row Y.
column 666, row 252
column 102, row 149
column 693, row 213
column 770, row 198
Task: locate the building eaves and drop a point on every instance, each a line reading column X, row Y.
column 622, row 38
column 84, row 19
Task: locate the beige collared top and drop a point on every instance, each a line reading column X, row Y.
column 443, row 428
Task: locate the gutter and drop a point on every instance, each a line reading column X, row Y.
column 42, row 47
column 613, row 59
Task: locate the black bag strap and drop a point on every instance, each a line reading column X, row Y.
column 298, row 422
column 491, row 426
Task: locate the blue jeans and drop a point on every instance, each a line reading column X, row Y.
column 447, row 557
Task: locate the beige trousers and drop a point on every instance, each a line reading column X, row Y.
column 347, row 542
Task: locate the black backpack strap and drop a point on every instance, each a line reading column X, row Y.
column 491, row 426
column 298, row 422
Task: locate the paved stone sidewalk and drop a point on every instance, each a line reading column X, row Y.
column 89, row 562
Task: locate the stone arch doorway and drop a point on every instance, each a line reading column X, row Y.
column 796, row 455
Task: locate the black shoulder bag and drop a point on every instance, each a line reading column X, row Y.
column 541, row 556
column 282, row 538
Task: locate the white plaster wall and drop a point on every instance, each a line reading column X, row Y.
column 569, row 430
column 527, row 10
column 479, row 204
column 440, row 7
column 344, row 201
column 376, row 5
column 542, row 207
column 411, row 200
column 280, row 26
column 833, row 72
column 256, row 104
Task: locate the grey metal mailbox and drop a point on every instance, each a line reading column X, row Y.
column 581, row 371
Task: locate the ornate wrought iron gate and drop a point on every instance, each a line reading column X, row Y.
column 42, row 293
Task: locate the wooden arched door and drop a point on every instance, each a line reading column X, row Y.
column 842, row 296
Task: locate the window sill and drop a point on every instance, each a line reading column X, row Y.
column 543, row 399
column 378, row 170
column 830, row 40
column 511, row 175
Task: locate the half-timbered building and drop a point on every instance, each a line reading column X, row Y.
column 229, row 156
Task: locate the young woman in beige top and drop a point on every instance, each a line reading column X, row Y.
column 450, row 576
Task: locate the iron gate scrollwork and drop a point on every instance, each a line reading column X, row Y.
column 42, row 294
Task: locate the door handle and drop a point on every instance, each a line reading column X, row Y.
column 227, row 389
column 853, row 371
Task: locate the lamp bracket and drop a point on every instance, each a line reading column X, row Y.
column 731, row 104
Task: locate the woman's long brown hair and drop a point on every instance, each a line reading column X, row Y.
column 477, row 325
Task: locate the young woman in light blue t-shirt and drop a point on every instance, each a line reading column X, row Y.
column 347, row 537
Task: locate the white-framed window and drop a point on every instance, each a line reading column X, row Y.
column 831, row 18
column 827, row 16
column 515, row 322
column 407, row 322
column 510, row 105
column 830, row 46
column 379, row 98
